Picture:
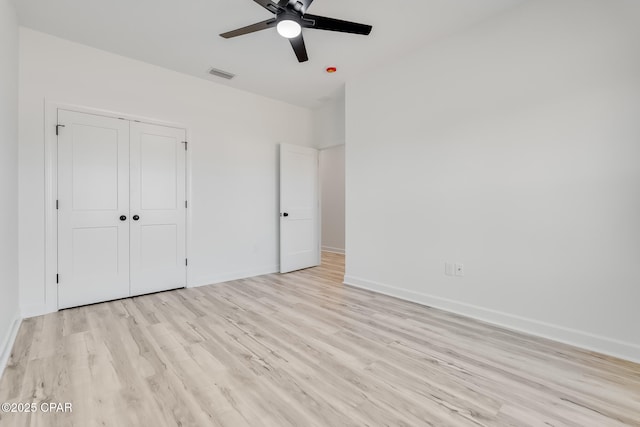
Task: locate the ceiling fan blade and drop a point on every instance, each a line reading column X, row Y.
column 269, row 23
column 268, row 4
column 305, row 5
column 297, row 5
column 299, row 48
column 331, row 24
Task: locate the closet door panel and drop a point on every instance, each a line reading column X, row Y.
column 93, row 209
column 158, row 195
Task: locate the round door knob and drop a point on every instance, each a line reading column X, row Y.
column 136, row 217
column 285, row 214
column 123, row 218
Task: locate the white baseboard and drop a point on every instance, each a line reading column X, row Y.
column 7, row 343
column 236, row 275
column 585, row 340
column 333, row 250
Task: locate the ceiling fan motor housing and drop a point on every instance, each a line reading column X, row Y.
column 286, row 15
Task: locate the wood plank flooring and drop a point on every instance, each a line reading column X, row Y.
column 303, row 350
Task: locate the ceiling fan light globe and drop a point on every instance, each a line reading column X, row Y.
column 289, row 29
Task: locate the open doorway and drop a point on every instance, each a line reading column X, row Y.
column 332, row 199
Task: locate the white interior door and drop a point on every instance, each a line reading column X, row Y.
column 299, row 213
column 93, row 196
column 158, row 208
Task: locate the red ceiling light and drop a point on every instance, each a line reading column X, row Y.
column 331, row 70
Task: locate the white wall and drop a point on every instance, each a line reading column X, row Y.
column 332, row 198
column 512, row 148
column 234, row 139
column 9, row 313
column 329, row 121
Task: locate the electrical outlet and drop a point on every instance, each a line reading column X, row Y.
column 449, row 269
column 459, row 270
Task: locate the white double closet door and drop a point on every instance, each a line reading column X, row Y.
column 121, row 208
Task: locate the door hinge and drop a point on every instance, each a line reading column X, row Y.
column 58, row 129
column 186, row 261
column 185, row 145
column 57, row 278
column 57, row 205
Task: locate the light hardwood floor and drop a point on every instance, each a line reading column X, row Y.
column 303, row 350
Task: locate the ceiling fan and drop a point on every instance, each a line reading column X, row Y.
column 291, row 17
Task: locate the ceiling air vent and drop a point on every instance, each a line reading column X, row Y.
column 220, row 73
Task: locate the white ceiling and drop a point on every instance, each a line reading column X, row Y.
column 182, row 35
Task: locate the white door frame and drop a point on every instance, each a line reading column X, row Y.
column 51, row 193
